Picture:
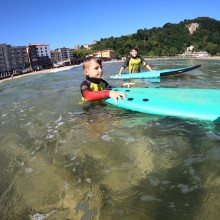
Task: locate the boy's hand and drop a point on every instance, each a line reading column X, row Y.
column 128, row 84
column 117, row 75
column 116, row 95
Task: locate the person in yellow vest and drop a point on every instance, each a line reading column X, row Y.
column 134, row 63
column 94, row 87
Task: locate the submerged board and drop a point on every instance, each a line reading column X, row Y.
column 201, row 104
column 154, row 73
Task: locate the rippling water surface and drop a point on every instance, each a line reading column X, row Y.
column 60, row 159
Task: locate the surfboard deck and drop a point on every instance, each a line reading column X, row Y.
column 154, row 73
column 203, row 104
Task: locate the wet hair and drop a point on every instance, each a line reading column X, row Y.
column 134, row 48
column 88, row 59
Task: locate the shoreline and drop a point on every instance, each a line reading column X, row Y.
column 71, row 67
column 182, row 58
column 39, row 72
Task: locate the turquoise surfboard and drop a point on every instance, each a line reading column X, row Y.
column 154, row 73
column 201, row 104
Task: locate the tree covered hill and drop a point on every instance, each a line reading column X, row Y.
column 203, row 33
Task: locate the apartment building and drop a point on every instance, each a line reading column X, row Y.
column 66, row 53
column 12, row 57
column 39, row 50
column 39, row 55
column 4, row 58
column 61, row 54
column 56, row 56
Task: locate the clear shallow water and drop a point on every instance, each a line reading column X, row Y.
column 60, row 159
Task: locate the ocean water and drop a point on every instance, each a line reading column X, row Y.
column 60, row 159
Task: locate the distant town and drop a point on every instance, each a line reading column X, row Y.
column 16, row 60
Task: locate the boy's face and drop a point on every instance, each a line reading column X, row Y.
column 133, row 53
column 93, row 70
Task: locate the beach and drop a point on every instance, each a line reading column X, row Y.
column 38, row 72
column 47, row 71
column 70, row 67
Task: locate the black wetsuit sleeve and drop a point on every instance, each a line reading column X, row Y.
column 143, row 62
column 126, row 63
column 84, row 86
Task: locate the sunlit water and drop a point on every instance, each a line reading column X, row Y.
column 60, row 159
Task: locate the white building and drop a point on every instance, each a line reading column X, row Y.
column 39, row 56
column 200, row 54
column 42, row 50
column 87, row 46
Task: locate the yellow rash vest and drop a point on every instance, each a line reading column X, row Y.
column 134, row 64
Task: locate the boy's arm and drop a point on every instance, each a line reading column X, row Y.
column 120, row 71
column 123, row 67
column 144, row 63
column 148, row 67
column 99, row 95
column 93, row 95
column 90, row 95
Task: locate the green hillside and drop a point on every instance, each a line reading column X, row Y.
column 171, row 39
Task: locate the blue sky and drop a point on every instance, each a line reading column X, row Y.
column 69, row 22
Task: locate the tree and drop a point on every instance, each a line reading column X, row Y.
column 173, row 51
column 170, row 39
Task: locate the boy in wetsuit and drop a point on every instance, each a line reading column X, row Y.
column 134, row 63
column 94, row 87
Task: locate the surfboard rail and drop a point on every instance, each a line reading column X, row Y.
column 154, row 73
column 193, row 103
